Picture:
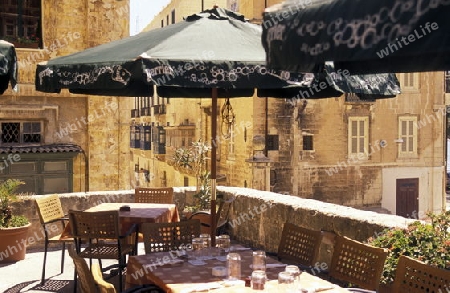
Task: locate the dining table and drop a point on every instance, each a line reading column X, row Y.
column 175, row 273
column 135, row 213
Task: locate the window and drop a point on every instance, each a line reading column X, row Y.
column 308, row 142
column 447, row 82
column 231, row 142
column 20, row 132
column 408, row 136
column 272, row 142
column 409, row 81
column 21, row 21
column 358, row 139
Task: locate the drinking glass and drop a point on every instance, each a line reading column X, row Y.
column 285, row 282
column 259, row 260
column 295, row 272
column 198, row 247
column 234, row 266
column 207, row 245
column 259, row 279
column 224, row 244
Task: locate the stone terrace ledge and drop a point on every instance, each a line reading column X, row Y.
column 256, row 217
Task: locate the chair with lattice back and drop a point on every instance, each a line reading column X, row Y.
column 299, row 245
column 100, row 230
column 169, row 236
column 52, row 218
column 356, row 264
column 414, row 276
column 153, row 195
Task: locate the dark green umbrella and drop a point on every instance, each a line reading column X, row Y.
column 8, row 66
column 362, row 36
column 216, row 53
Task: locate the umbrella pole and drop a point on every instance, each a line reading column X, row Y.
column 213, row 166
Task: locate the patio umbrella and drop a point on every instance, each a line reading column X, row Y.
column 8, row 66
column 360, row 36
column 216, row 53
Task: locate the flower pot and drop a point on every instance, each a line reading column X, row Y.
column 13, row 243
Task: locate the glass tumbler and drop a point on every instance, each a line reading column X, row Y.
column 207, row 245
column 198, row 247
column 234, row 266
column 295, row 272
column 224, row 244
column 259, row 279
column 285, row 282
column 259, row 260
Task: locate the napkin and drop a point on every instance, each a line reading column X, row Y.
column 196, row 262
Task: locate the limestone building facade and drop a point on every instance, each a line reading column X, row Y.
column 63, row 142
column 387, row 154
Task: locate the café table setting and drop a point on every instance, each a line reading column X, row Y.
column 197, row 267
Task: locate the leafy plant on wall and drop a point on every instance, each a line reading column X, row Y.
column 428, row 242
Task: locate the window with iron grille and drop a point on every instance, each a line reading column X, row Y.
column 20, row 132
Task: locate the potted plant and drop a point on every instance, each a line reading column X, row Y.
column 427, row 241
column 13, row 228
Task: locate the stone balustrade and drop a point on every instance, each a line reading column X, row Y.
column 256, row 217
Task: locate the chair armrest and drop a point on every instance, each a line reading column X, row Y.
column 200, row 213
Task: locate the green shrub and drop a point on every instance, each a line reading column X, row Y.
column 428, row 242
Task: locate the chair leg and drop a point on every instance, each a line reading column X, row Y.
column 45, row 260
column 62, row 256
column 75, row 281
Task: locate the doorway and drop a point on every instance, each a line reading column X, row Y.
column 407, row 197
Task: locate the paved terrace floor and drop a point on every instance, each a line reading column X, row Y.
column 25, row 275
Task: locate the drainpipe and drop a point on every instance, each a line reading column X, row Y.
column 266, row 125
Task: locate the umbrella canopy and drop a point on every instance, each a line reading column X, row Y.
column 360, row 36
column 216, row 53
column 8, row 66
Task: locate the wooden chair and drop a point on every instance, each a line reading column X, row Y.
column 299, row 245
column 50, row 214
column 169, row 236
column 357, row 264
column 86, row 280
column 104, row 240
column 154, row 195
column 222, row 217
column 414, row 276
column 91, row 281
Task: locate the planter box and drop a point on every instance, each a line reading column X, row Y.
column 26, row 45
column 13, row 243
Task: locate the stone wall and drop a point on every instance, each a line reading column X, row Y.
column 256, row 217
